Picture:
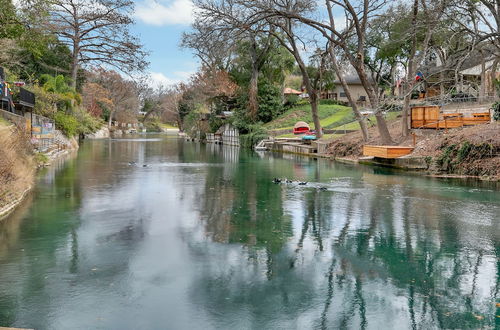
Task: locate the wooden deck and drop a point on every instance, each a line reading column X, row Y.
column 386, row 151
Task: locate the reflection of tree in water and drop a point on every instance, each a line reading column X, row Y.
column 439, row 276
column 390, row 238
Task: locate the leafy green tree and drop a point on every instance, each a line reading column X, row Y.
column 58, row 85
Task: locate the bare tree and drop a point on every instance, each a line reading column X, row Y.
column 289, row 39
column 122, row 95
column 425, row 18
column 214, row 47
column 351, row 39
column 97, row 31
column 234, row 18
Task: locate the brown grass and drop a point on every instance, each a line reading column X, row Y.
column 16, row 164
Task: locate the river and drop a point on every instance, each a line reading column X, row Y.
column 201, row 238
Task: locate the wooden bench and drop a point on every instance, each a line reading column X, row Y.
column 386, row 151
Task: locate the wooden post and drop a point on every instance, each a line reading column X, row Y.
column 414, row 138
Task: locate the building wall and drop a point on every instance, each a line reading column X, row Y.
column 356, row 91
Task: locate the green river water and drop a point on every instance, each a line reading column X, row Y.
column 202, row 239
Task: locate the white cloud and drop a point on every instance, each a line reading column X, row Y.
column 158, row 79
column 161, row 12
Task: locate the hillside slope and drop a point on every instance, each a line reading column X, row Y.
column 16, row 165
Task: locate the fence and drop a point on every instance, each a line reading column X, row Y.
column 42, row 131
column 230, row 136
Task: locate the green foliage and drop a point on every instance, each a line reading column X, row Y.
column 457, row 158
column 66, row 123
column 270, row 101
column 291, row 101
column 87, row 123
column 46, row 102
column 153, row 125
column 496, row 111
column 331, row 102
column 67, row 97
column 190, row 123
column 41, row 158
column 215, row 123
column 255, row 134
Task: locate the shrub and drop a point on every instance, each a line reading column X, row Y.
column 496, row 111
column 153, row 126
column 332, row 102
column 87, row 123
column 66, row 123
column 256, row 133
column 215, row 123
column 291, row 100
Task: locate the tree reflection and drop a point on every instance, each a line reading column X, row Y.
column 380, row 232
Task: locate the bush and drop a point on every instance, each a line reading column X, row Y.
column 66, row 123
column 270, row 101
column 333, row 102
column 87, row 123
column 153, row 126
column 215, row 123
column 291, row 100
column 496, row 111
column 190, row 123
column 256, row 133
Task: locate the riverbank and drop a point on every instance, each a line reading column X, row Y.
column 461, row 152
column 20, row 161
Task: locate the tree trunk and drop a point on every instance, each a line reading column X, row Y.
column 383, row 131
column 313, row 100
column 405, row 114
column 482, row 88
column 348, row 94
column 74, row 64
column 493, row 77
column 110, row 119
column 253, row 103
column 313, row 93
column 410, row 74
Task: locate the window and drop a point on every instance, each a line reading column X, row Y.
column 342, row 94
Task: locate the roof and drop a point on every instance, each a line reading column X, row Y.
column 289, row 90
column 301, row 124
column 351, row 79
column 476, row 70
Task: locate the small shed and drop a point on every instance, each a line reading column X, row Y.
column 301, row 128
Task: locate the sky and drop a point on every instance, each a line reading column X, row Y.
column 159, row 26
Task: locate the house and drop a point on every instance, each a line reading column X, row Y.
column 355, row 87
column 24, row 101
column 471, row 81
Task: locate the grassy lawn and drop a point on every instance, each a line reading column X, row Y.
column 338, row 121
column 354, row 125
column 329, row 115
column 167, row 126
column 325, row 136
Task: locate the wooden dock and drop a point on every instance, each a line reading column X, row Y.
column 386, row 151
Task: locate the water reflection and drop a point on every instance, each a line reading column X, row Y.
column 202, row 238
